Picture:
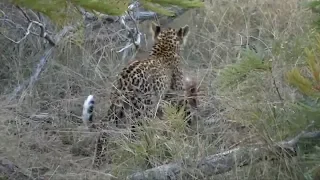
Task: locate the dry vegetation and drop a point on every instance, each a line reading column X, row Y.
column 41, row 131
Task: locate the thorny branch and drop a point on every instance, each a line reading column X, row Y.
column 223, row 162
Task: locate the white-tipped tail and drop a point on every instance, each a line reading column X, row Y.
column 87, row 113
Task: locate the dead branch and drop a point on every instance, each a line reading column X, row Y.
column 135, row 14
column 226, row 161
column 138, row 15
column 40, row 66
column 28, row 31
column 134, row 35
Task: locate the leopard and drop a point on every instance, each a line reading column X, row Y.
column 143, row 84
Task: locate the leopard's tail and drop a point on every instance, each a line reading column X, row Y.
column 87, row 112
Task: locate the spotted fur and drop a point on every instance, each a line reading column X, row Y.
column 142, row 84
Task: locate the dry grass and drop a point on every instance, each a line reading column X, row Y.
column 278, row 29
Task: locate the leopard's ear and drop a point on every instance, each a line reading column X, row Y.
column 155, row 30
column 183, row 33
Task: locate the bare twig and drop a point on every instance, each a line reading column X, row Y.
column 28, row 31
column 140, row 15
column 24, row 13
column 134, row 13
column 44, row 59
column 134, row 35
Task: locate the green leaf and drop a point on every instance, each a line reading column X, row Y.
column 110, row 7
column 61, row 11
column 182, row 3
column 235, row 73
column 303, row 84
column 157, row 8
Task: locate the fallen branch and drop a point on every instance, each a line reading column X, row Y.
column 226, row 161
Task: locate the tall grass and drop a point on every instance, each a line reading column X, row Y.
column 239, row 107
